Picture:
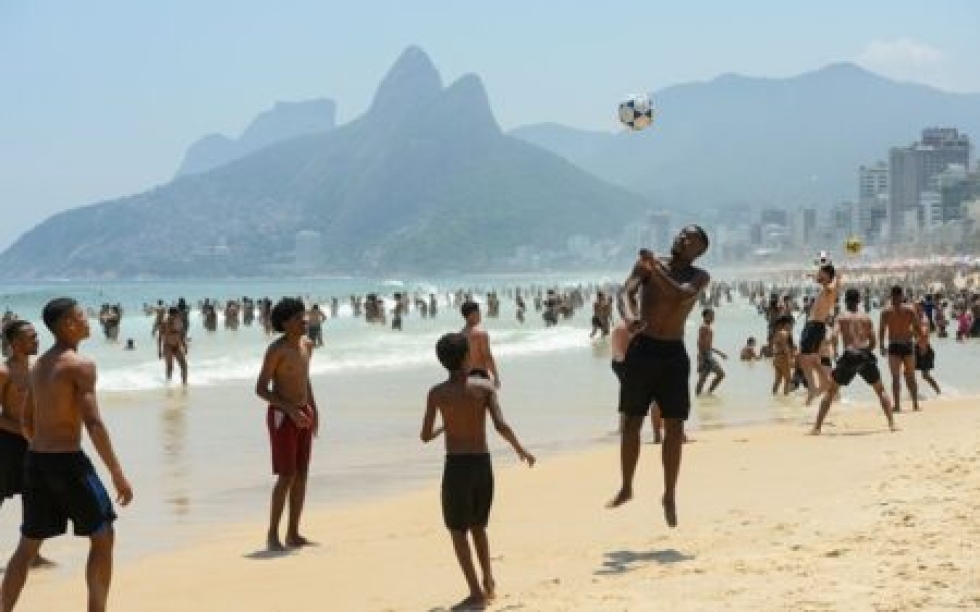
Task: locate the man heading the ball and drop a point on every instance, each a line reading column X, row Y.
column 657, row 367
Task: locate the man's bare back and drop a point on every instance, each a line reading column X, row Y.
column 480, row 357
column 856, row 330
column 463, row 405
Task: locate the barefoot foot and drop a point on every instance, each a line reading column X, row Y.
column 621, row 498
column 489, row 589
column 273, row 544
column 670, row 512
column 298, row 541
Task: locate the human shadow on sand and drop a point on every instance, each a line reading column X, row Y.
column 622, row 561
column 264, row 554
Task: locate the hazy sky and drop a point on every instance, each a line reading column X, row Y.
column 100, row 98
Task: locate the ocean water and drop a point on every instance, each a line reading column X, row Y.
column 198, row 457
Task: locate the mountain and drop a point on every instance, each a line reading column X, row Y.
column 284, row 121
column 737, row 141
column 423, row 181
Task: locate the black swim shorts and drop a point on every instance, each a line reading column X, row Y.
column 467, row 491
column 813, row 334
column 62, row 486
column 854, row 362
column 619, row 369
column 901, row 349
column 12, row 451
column 656, row 371
column 925, row 361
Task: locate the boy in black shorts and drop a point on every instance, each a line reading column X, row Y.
column 464, row 402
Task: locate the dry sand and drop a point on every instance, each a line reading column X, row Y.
column 770, row 519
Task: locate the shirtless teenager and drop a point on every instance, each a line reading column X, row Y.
column 481, row 359
column 21, row 338
column 292, row 417
column 900, row 322
column 172, row 343
column 657, row 366
column 60, row 483
column 14, row 393
column 816, row 329
column 464, row 402
column 858, row 335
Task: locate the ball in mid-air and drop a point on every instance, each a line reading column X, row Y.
column 823, row 258
column 853, row 245
column 636, row 112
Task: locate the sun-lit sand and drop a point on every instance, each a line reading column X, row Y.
column 770, row 519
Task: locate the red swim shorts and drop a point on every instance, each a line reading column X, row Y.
column 291, row 445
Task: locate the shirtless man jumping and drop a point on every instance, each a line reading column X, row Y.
column 858, row 334
column 481, row 359
column 60, row 482
column 657, row 366
column 816, row 329
column 901, row 323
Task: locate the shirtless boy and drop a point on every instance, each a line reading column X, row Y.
column 900, row 323
column 172, row 343
column 464, row 402
column 707, row 364
column 663, row 291
column 816, row 329
column 292, row 417
column 481, row 359
column 21, row 338
column 60, row 482
column 858, row 335
column 14, row 393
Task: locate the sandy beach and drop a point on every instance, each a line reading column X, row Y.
column 770, row 519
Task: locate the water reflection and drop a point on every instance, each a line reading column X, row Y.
column 173, row 432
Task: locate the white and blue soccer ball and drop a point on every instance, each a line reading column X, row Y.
column 636, row 112
column 823, row 258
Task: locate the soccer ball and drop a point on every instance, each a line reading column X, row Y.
column 823, row 258
column 853, row 245
column 636, row 112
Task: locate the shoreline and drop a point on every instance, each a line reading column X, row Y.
column 765, row 511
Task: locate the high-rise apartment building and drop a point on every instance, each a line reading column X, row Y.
column 912, row 167
column 872, row 205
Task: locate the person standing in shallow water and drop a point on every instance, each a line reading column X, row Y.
column 292, row 417
column 660, row 293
